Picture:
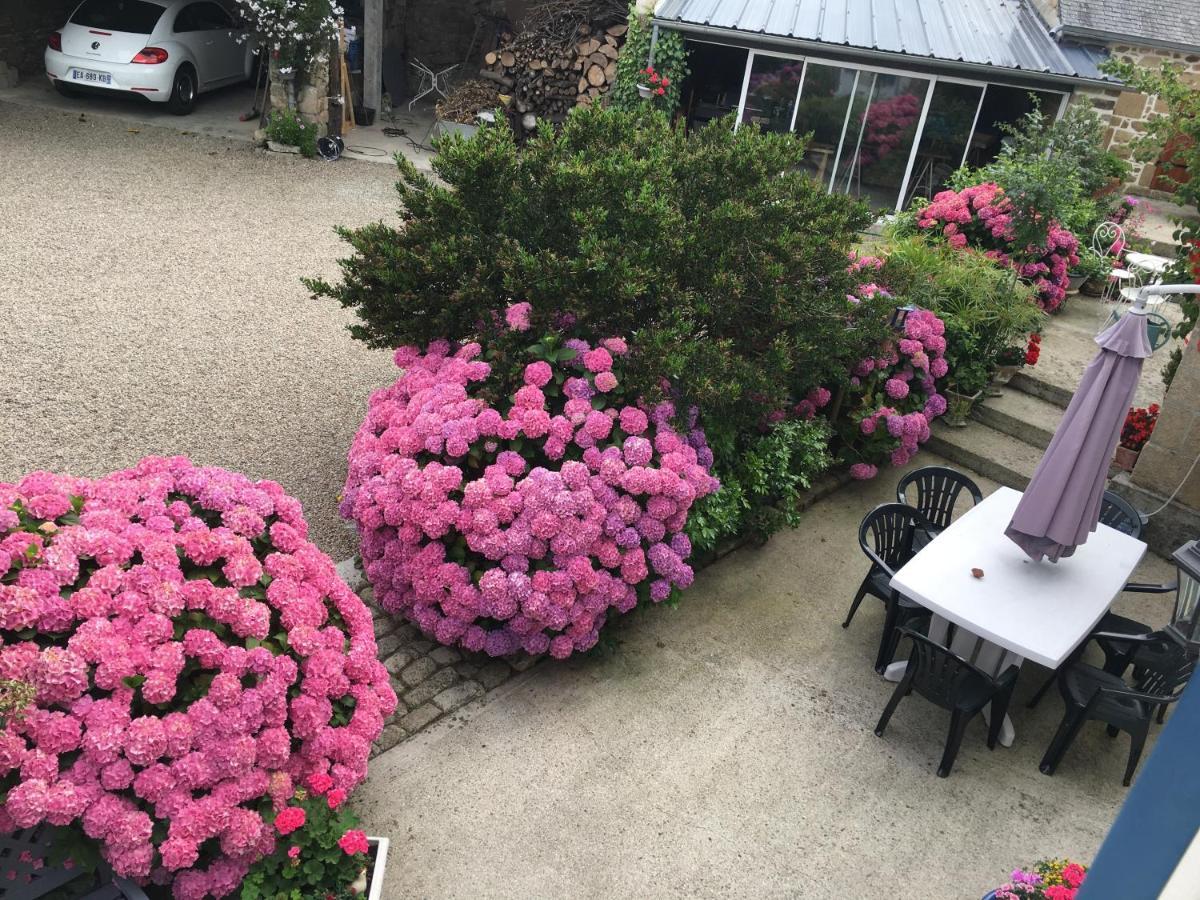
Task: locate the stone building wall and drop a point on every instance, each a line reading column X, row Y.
column 24, row 27
column 1173, row 447
column 1128, row 111
column 437, row 32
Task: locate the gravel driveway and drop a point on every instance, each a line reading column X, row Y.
column 150, row 302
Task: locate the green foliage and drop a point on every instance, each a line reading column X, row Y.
column 1056, row 169
column 287, row 127
column 670, row 59
column 985, row 307
column 760, row 484
column 321, row 869
column 1093, row 265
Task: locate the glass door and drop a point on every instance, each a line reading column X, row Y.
column 821, row 114
column 943, row 147
column 882, row 128
column 771, row 92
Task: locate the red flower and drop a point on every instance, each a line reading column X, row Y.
column 353, row 842
column 660, row 91
column 293, row 851
column 319, row 783
column 336, row 798
column 654, row 79
column 289, row 819
column 666, row 81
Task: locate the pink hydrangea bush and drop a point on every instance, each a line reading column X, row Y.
column 503, row 520
column 894, row 397
column 195, row 659
column 982, row 218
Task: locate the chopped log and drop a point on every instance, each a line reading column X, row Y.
column 508, row 59
column 610, row 40
column 610, row 72
column 588, row 47
column 583, row 85
column 501, row 80
column 593, row 92
column 595, row 76
column 491, row 58
column 529, row 121
column 617, row 30
column 610, row 51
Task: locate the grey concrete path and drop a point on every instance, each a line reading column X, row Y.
column 727, row 750
column 150, row 302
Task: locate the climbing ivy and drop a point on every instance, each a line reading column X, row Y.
column 670, row 61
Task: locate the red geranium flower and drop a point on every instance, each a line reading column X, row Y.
column 289, row 819
column 353, row 841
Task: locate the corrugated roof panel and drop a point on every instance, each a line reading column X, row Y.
column 1006, row 34
column 910, row 30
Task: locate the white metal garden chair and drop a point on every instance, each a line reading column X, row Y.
column 431, row 81
column 1106, row 236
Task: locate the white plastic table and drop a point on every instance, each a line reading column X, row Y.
column 1019, row 609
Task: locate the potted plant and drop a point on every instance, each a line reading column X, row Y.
column 1048, row 879
column 968, row 373
column 656, row 84
column 1010, row 359
column 1089, row 274
column 1139, row 425
column 319, row 850
column 288, row 133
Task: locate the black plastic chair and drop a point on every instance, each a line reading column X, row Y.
column 937, row 489
column 1119, row 654
column 886, row 536
column 947, row 680
column 1090, row 693
column 1117, row 512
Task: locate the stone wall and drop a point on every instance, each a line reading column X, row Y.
column 24, row 27
column 1128, row 111
column 1173, row 447
column 437, row 32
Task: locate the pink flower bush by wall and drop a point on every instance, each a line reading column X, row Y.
column 195, row 659
column 981, row 217
column 504, row 521
column 895, row 397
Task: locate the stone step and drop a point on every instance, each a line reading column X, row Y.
column 1024, row 416
column 993, row 454
column 1044, row 390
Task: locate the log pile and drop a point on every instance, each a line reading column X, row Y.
column 565, row 57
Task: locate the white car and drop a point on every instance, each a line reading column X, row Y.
column 165, row 50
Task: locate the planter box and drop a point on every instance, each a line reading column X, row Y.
column 958, row 408
column 445, row 126
column 380, row 846
column 1125, row 459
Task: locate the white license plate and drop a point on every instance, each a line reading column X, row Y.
column 89, row 77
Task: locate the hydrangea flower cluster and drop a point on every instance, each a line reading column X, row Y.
column 517, row 524
column 897, row 396
column 194, row 659
column 889, row 127
column 981, row 217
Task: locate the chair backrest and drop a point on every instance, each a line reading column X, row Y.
column 1105, row 235
column 937, row 489
column 886, row 534
column 1117, row 512
column 940, row 673
column 1170, row 672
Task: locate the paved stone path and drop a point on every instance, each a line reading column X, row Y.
column 430, row 680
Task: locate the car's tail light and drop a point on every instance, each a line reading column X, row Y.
column 150, row 56
column 54, row 42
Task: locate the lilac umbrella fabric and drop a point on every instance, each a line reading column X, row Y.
column 1061, row 506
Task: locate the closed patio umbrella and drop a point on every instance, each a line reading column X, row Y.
column 1061, row 506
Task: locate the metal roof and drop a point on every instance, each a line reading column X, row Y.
column 1004, row 34
column 1171, row 23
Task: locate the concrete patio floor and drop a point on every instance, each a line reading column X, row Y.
column 726, row 749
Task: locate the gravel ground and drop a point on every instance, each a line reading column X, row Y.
column 151, row 303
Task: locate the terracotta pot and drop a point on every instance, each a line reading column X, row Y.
column 1125, row 459
column 958, row 407
column 1093, row 287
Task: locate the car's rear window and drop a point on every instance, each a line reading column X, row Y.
column 136, row 16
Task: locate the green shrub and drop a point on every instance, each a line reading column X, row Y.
column 287, row 127
column 720, row 261
column 761, row 476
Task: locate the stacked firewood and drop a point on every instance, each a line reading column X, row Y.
column 545, row 75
